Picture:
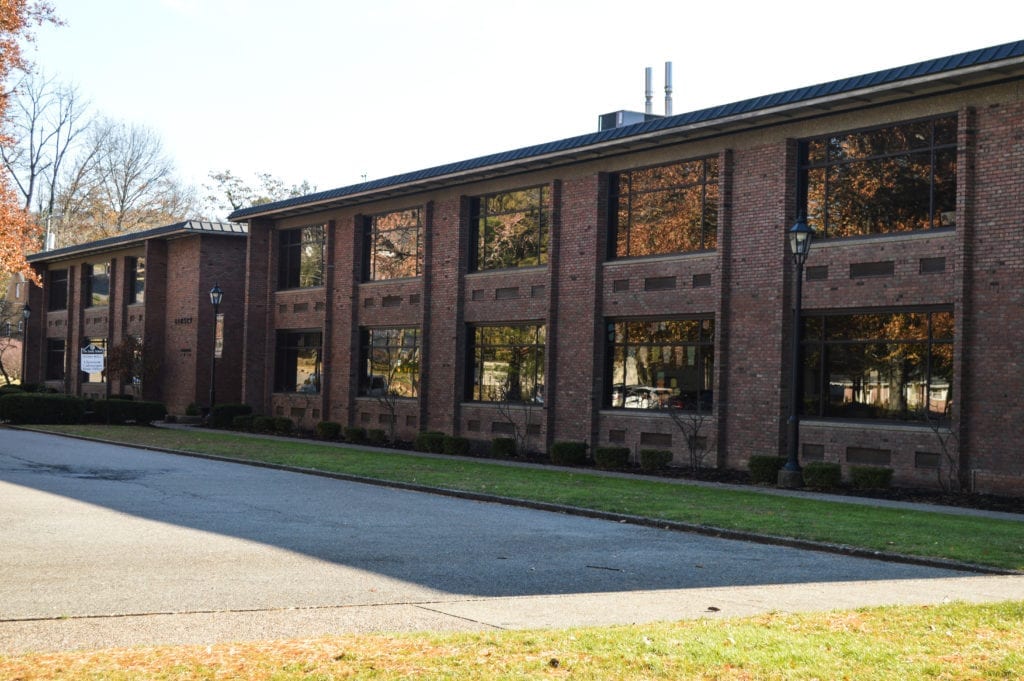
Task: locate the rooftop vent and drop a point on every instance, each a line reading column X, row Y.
column 618, row 119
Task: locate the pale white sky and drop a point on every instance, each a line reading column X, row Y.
column 327, row 90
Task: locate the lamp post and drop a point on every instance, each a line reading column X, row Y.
column 216, row 296
column 26, row 312
column 800, row 237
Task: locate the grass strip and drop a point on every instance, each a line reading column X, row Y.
column 981, row 541
column 952, row 642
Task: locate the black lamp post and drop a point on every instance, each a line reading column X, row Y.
column 216, row 296
column 800, row 237
column 26, row 312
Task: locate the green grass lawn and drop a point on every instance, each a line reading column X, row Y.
column 981, row 541
column 949, row 642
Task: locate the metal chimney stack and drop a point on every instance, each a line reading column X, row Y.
column 668, row 88
column 648, row 91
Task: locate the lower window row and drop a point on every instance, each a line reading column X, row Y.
column 879, row 365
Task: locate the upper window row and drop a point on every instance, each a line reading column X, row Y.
column 896, row 178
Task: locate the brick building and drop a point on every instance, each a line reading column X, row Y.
column 572, row 290
column 143, row 296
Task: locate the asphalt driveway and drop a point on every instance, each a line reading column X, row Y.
column 109, row 545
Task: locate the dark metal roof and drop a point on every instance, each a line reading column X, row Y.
column 985, row 59
column 121, row 240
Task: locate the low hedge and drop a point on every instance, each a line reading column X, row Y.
column 611, row 458
column 263, row 424
column 568, row 453
column 223, row 415
column 430, row 441
column 117, row 411
column 40, row 408
column 823, row 475
column 283, row 425
column 328, row 430
column 654, row 459
column 377, row 436
column 764, row 470
column 242, row 422
column 870, row 477
column 503, row 448
column 354, row 434
column 456, row 445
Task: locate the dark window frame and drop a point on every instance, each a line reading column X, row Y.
column 487, row 211
column 826, row 350
column 301, row 256
column 135, row 269
column 97, row 286
column 383, row 352
column 58, row 286
column 55, row 371
column 527, row 347
column 689, row 339
column 289, row 348
column 894, row 206
column 626, row 189
column 379, row 235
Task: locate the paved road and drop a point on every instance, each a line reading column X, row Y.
column 110, row 545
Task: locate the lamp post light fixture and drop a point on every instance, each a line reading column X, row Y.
column 800, row 237
column 216, row 296
column 26, row 312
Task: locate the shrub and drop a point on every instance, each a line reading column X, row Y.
column 223, row 415
column 243, row 422
column 283, row 425
column 654, row 459
column 377, row 436
column 568, row 453
column 263, row 424
column 123, row 396
column 38, row 408
column 822, row 475
column 192, row 409
column 430, row 441
column 328, row 430
column 764, row 470
column 118, row 411
column 611, row 458
column 10, row 388
column 455, row 445
column 503, row 447
column 355, row 434
column 870, row 477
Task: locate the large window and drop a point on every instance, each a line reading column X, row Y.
column 893, row 179
column 390, row 362
column 511, row 229
column 879, row 365
column 300, row 257
column 507, row 363
column 57, row 290
column 297, row 362
column 97, row 284
column 666, row 209
column 656, row 364
column 136, row 268
column 393, row 245
column 56, row 356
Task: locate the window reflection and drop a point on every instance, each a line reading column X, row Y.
column 508, row 364
column 511, row 229
column 394, row 245
column 391, row 362
column 297, row 362
column 301, row 257
column 890, row 365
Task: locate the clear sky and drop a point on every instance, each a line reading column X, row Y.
column 332, row 90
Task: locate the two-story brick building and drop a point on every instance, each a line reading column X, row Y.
column 143, row 297
column 572, row 290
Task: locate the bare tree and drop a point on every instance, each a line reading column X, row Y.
column 691, row 423
column 45, row 120
column 948, row 437
column 519, row 414
column 228, row 192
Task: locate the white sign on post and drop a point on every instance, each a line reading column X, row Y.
column 92, row 359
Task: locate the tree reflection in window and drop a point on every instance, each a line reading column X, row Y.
column 393, row 245
column 511, row 229
column 390, row 362
column 301, row 257
column 508, row 364
column 661, row 363
column 893, row 179
column 297, row 362
column 884, row 365
column 665, row 209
